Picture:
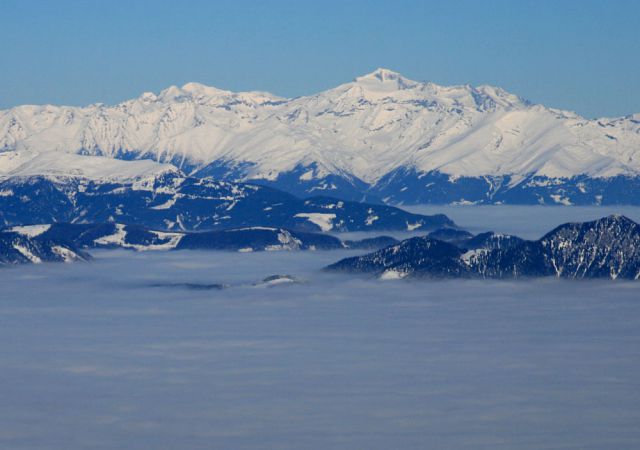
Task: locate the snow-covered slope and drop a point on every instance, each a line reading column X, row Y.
column 380, row 133
column 69, row 165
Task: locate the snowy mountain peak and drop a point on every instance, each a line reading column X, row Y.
column 171, row 93
column 202, row 94
column 191, row 91
column 382, row 74
column 199, row 88
column 387, row 78
column 148, row 97
column 500, row 97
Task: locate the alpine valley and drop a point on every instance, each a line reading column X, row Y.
column 380, row 138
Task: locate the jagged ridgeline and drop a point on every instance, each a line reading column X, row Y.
column 605, row 248
column 380, row 136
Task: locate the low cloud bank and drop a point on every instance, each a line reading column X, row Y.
column 102, row 355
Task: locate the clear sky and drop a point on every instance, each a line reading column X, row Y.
column 580, row 55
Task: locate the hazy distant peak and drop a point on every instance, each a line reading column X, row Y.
column 194, row 88
column 385, row 77
column 382, row 75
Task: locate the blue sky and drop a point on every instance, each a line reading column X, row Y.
column 578, row 55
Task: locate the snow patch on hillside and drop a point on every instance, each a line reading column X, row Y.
column 322, row 220
column 31, row 230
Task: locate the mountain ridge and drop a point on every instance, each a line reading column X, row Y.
column 349, row 139
column 79, row 238
column 605, row 248
column 172, row 202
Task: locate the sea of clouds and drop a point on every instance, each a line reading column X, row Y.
column 127, row 352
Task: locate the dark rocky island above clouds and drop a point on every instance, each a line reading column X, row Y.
column 604, row 248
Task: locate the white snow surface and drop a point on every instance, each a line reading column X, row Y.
column 63, row 164
column 118, row 238
column 392, row 274
column 31, row 230
column 469, row 256
column 323, row 220
column 66, row 254
column 366, row 128
column 27, row 253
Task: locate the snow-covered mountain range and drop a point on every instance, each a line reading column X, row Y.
column 380, row 135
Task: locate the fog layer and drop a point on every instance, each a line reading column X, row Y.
column 98, row 355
